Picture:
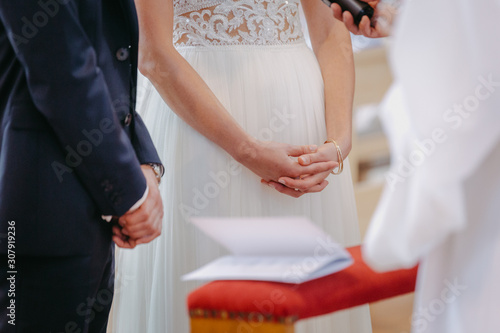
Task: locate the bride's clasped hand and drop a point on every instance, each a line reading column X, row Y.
column 315, row 165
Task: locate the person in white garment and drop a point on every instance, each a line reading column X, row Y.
column 441, row 203
column 230, row 89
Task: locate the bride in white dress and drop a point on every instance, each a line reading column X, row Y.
column 226, row 81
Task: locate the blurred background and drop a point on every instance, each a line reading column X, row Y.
column 370, row 159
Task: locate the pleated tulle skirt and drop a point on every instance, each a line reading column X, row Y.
column 275, row 93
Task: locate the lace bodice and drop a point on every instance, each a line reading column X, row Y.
column 236, row 22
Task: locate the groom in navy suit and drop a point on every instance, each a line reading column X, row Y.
column 73, row 153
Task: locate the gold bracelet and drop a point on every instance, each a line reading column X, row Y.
column 339, row 156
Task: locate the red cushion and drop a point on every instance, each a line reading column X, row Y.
column 356, row 285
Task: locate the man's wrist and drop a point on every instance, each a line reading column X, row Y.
column 158, row 170
column 140, row 202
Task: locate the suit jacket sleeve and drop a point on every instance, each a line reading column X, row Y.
column 142, row 143
column 68, row 88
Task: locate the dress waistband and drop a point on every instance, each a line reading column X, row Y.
column 242, row 46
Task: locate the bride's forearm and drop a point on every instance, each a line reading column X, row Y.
column 178, row 83
column 331, row 43
column 192, row 100
column 337, row 65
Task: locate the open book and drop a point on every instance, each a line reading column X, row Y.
column 282, row 249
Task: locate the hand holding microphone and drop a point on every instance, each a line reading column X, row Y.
column 371, row 19
column 357, row 8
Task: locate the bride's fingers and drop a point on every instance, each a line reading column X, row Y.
column 318, row 167
column 319, row 187
column 305, row 159
column 309, row 159
column 326, row 153
column 283, row 189
column 301, row 150
column 304, row 184
column 294, row 193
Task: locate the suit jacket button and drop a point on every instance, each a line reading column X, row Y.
column 128, row 119
column 122, row 54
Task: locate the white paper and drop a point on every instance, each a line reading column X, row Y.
column 282, row 249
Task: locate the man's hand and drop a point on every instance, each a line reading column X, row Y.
column 144, row 224
column 380, row 27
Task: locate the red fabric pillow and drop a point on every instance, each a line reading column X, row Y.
column 354, row 286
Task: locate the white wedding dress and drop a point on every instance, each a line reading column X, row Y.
column 253, row 56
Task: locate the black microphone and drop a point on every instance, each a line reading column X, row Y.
column 357, row 8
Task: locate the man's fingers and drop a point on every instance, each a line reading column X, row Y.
column 349, row 22
column 130, row 244
column 122, row 221
column 365, row 27
column 145, row 221
column 337, row 11
column 145, row 230
column 116, row 230
column 120, row 243
column 121, row 239
column 345, row 17
column 149, row 226
column 138, row 216
column 141, row 215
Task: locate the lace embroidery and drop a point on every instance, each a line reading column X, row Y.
column 235, row 22
column 185, row 6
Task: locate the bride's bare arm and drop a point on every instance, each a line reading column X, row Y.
column 192, row 100
column 331, row 43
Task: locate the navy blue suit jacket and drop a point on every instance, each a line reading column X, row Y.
column 71, row 143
